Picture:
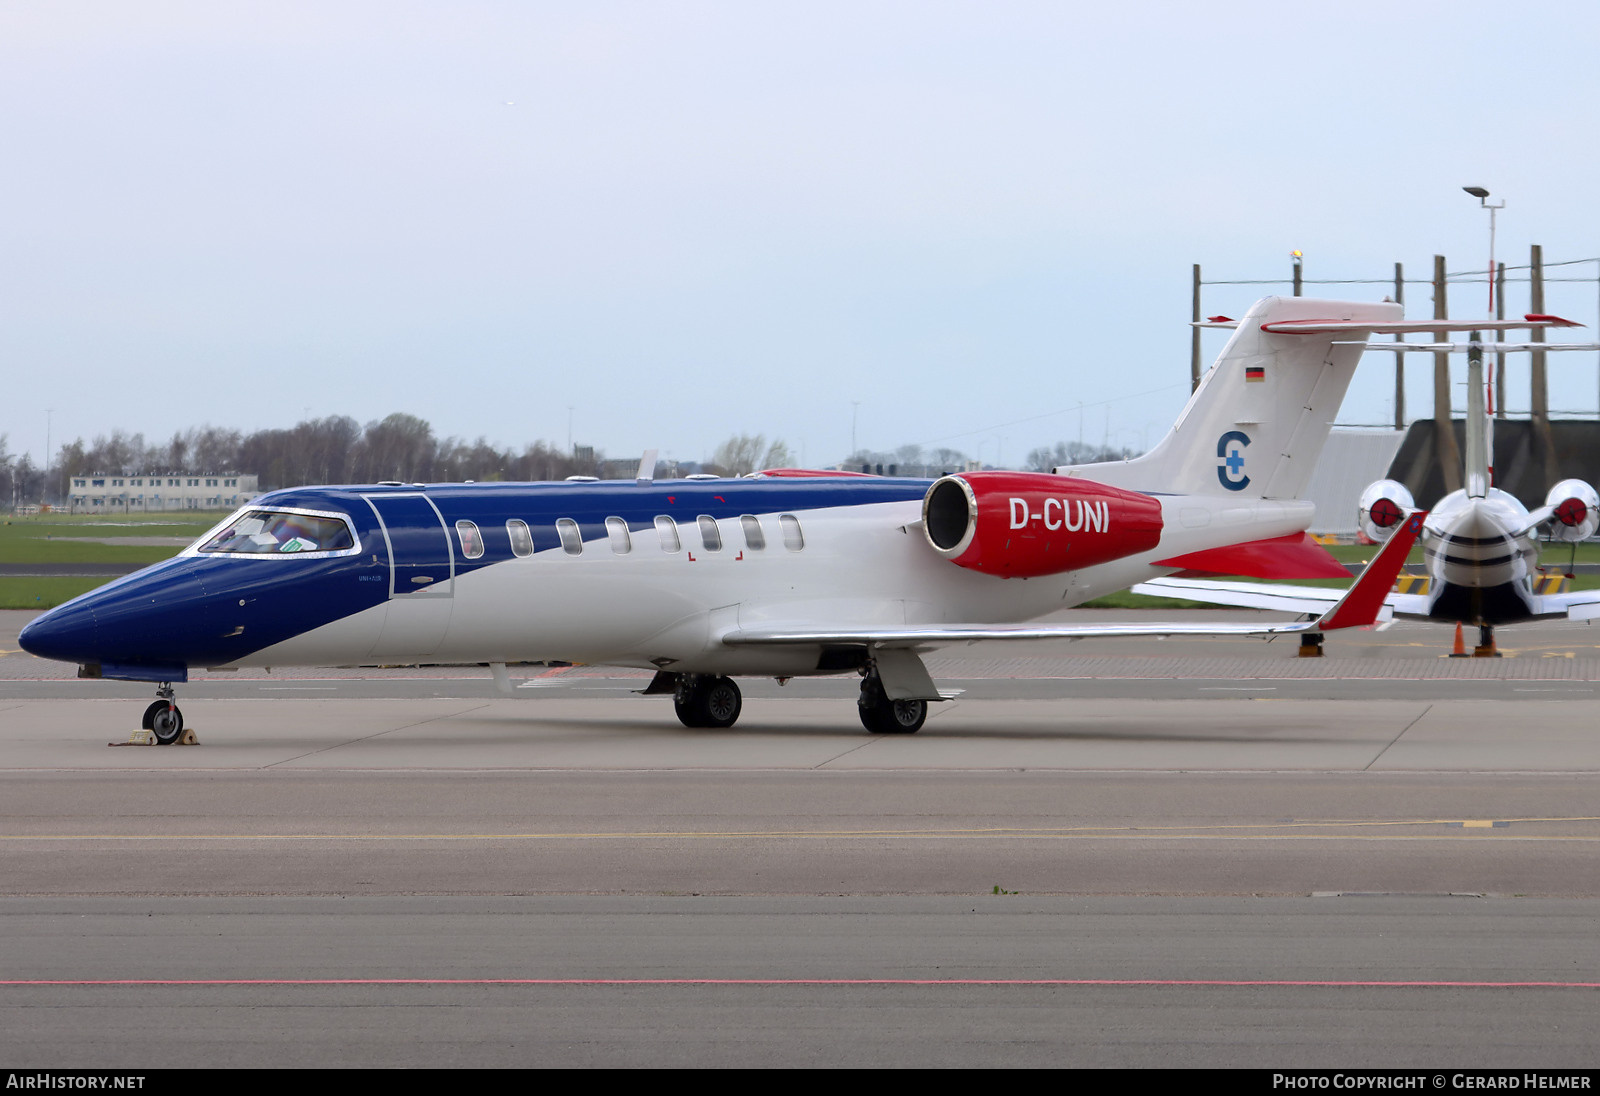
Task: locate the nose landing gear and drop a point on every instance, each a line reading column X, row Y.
column 162, row 718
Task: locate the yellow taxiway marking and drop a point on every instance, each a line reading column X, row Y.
column 1283, row 831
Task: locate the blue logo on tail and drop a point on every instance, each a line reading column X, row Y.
column 1230, row 460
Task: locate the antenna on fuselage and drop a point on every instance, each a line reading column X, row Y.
column 647, row 469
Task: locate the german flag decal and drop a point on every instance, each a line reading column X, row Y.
column 1255, row 373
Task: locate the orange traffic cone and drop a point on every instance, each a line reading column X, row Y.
column 1460, row 650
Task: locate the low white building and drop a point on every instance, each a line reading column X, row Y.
column 100, row 494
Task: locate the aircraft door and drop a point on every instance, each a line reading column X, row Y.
column 421, row 575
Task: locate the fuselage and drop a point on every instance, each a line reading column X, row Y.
column 645, row 575
column 1481, row 559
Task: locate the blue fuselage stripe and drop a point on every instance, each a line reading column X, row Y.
column 212, row 610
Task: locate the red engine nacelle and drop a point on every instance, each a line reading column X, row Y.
column 1577, row 510
column 1023, row 524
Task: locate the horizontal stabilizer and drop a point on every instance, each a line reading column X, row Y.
column 1411, row 327
column 1293, row 556
column 1462, row 348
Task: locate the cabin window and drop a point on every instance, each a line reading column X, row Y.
column 793, row 538
column 521, row 538
column 667, row 534
column 471, row 539
column 754, row 539
column 571, row 539
column 710, row 535
column 272, row 532
column 617, row 533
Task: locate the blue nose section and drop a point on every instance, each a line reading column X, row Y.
column 149, row 618
column 66, row 634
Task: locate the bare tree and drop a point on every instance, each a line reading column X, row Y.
column 742, row 454
column 1048, row 458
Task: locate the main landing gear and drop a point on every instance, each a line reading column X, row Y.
column 880, row 715
column 704, row 701
column 163, row 719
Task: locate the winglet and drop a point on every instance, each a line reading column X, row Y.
column 1359, row 607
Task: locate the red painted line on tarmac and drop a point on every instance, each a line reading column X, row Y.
column 1243, row 983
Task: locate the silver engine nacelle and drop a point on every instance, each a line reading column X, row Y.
column 1577, row 510
column 1382, row 508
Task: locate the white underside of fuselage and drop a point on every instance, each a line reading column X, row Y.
column 1471, row 541
column 861, row 566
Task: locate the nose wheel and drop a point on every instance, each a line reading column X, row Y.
column 162, row 718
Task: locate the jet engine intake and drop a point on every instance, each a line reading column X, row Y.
column 1382, row 507
column 1577, row 510
column 1025, row 524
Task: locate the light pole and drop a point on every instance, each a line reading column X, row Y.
column 49, row 415
column 1483, row 200
column 1482, row 195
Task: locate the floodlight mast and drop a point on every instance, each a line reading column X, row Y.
column 1482, row 195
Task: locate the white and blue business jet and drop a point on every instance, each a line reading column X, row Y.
column 784, row 574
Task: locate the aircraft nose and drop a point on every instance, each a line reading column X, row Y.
column 66, row 634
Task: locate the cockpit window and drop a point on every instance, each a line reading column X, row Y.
column 271, row 532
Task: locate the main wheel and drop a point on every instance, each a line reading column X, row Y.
column 720, row 703
column 714, row 703
column 894, row 716
column 165, row 722
column 150, row 713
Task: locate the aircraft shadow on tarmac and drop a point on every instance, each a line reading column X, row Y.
column 951, row 727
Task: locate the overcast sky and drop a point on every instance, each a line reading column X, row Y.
column 683, row 220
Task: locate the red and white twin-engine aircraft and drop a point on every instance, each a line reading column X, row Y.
column 1481, row 543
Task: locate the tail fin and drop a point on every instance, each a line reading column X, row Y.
column 1257, row 423
column 1478, row 451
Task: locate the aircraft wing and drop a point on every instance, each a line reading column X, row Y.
column 1281, row 596
column 1574, row 604
column 1362, row 604
column 934, row 635
column 1285, row 597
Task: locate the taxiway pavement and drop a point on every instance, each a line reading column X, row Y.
column 1180, row 853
